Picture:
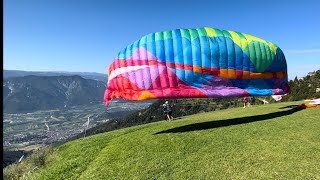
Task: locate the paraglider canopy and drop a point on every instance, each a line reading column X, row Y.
column 197, row 63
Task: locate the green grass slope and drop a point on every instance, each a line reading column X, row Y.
column 270, row 141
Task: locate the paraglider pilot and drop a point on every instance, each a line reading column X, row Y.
column 167, row 108
column 245, row 102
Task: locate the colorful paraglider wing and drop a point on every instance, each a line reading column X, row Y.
column 314, row 101
column 197, row 63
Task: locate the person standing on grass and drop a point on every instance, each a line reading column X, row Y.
column 167, row 108
column 245, row 101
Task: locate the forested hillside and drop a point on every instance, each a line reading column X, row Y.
column 304, row 88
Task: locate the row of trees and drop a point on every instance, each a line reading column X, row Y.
column 304, row 88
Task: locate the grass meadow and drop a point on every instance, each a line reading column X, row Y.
column 272, row 141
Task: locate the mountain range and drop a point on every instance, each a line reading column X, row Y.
column 87, row 75
column 31, row 93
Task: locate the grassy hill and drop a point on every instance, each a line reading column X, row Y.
column 270, row 141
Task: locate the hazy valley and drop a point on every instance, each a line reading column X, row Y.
column 42, row 108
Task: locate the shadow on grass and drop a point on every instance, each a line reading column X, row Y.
column 228, row 122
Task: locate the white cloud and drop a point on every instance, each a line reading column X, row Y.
column 302, row 51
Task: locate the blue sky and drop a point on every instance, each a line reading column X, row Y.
column 86, row 35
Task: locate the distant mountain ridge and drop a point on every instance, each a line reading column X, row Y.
column 87, row 75
column 32, row 93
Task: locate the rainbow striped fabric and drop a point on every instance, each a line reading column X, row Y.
column 197, row 63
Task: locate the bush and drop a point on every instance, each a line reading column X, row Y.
column 15, row 171
column 23, row 169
